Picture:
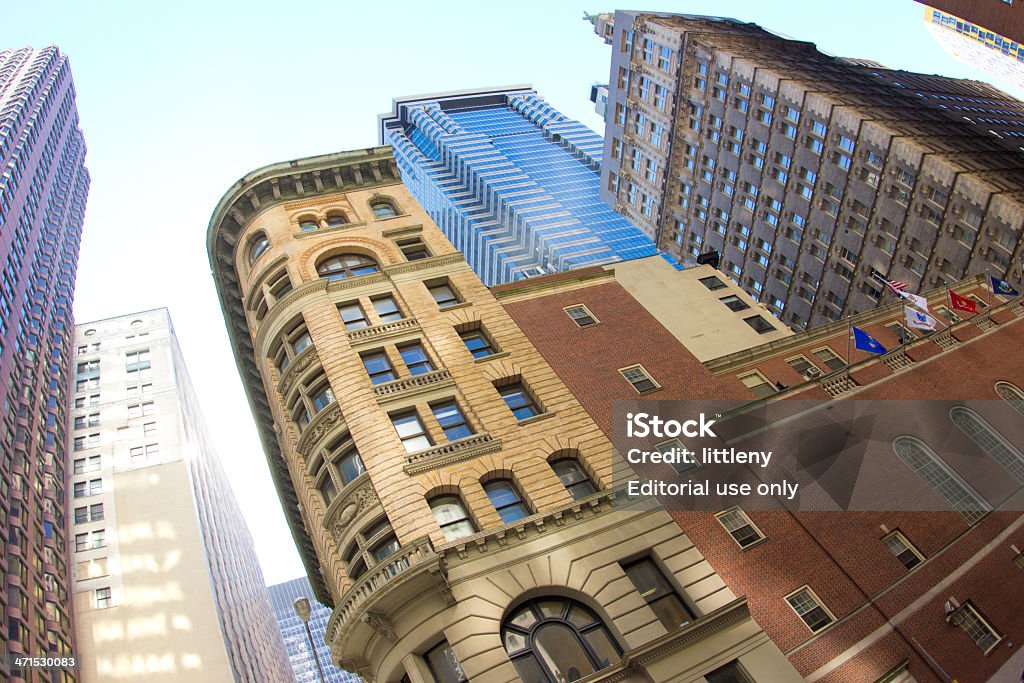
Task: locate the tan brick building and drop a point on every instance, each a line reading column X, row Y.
column 451, row 499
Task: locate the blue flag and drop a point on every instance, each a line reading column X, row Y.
column 865, row 342
column 1003, row 287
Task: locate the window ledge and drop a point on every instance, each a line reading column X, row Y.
column 453, row 307
column 535, row 418
column 303, row 234
column 745, row 548
column 484, row 359
column 414, row 384
column 450, row 453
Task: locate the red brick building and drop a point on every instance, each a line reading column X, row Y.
column 848, row 596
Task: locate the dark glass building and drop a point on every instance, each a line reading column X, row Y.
column 43, row 189
column 296, row 642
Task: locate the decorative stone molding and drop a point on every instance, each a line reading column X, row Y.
column 424, row 264
column 381, row 624
column 404, row 231
column 383, row 331
column 296, row 368
column 449, row 453
column 353, row 282
column 410, row 386
column 323, row 422
column 353, row 499
column 397, row 569
column 320, row 232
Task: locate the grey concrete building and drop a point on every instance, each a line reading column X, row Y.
column 808, row 173
column 167, row 586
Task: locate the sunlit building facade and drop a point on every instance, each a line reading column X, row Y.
column 453, row 503
column 990, row 52
column 167, row 586
column 43, row 189
column 297, row 641
column 511, row 182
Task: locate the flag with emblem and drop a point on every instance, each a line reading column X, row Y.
column 918, row 319
column 961, row 303
column 915, row 300
column 865, row 342
column 1002, row 287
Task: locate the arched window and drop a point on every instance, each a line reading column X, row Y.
column 383, row 209
column 506, row 500
column 574, row 479
column 990, row 441
column 308, row 224
column 954, row 490
column 452, row 517
column 553, row 639
column 1012, row 395
column 346, row 265
column 257, row 246
column 335, row 220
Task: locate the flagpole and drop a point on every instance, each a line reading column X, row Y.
column 849, row 331
column 988, row 277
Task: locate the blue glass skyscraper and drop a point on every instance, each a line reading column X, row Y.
column 512, row 182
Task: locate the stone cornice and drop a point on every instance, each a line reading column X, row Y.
column 376, row 333
column 303, row 234
column 411, row 386
column 256, row 192
column 423, row 264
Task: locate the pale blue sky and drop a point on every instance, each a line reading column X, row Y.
column 178, row 100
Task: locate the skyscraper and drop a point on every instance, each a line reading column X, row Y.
column 43, row 190
column 1001, row 17
column 167, row 586
column 810, row 174
column 990, row 52
column 453, row 502
column 296, row 641
column 511, row 182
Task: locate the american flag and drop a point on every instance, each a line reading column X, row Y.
column 895, row 285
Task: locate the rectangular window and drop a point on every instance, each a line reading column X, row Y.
column 410, row 430
column 638, row 377
column 581, row 315
column 757, row 384
column 353, row 316
column 739, row 526
column 478, row 343
column 801, row 364
column 902, row 549
column 519, row 401
column 809, row 608
column 829, row 358
column 759, row 324
column 81, row 515
column 413, row 248
column 968, row 618
column 659, row 593
column 102, row 597
column 453, row 422
column 730, row 673
column 149, row 429
column 734, row 303
column 378, row 367
column 387, row 309
column 444, row 295
column 415, row 358
column 96, row 512
column 137, row 360
column 712, row 283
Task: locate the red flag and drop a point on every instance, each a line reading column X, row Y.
column 962, row 303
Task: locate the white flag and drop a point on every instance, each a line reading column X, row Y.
column 919, row 320
column 915, row 300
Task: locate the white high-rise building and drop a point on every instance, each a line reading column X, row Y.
column 166, row 584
